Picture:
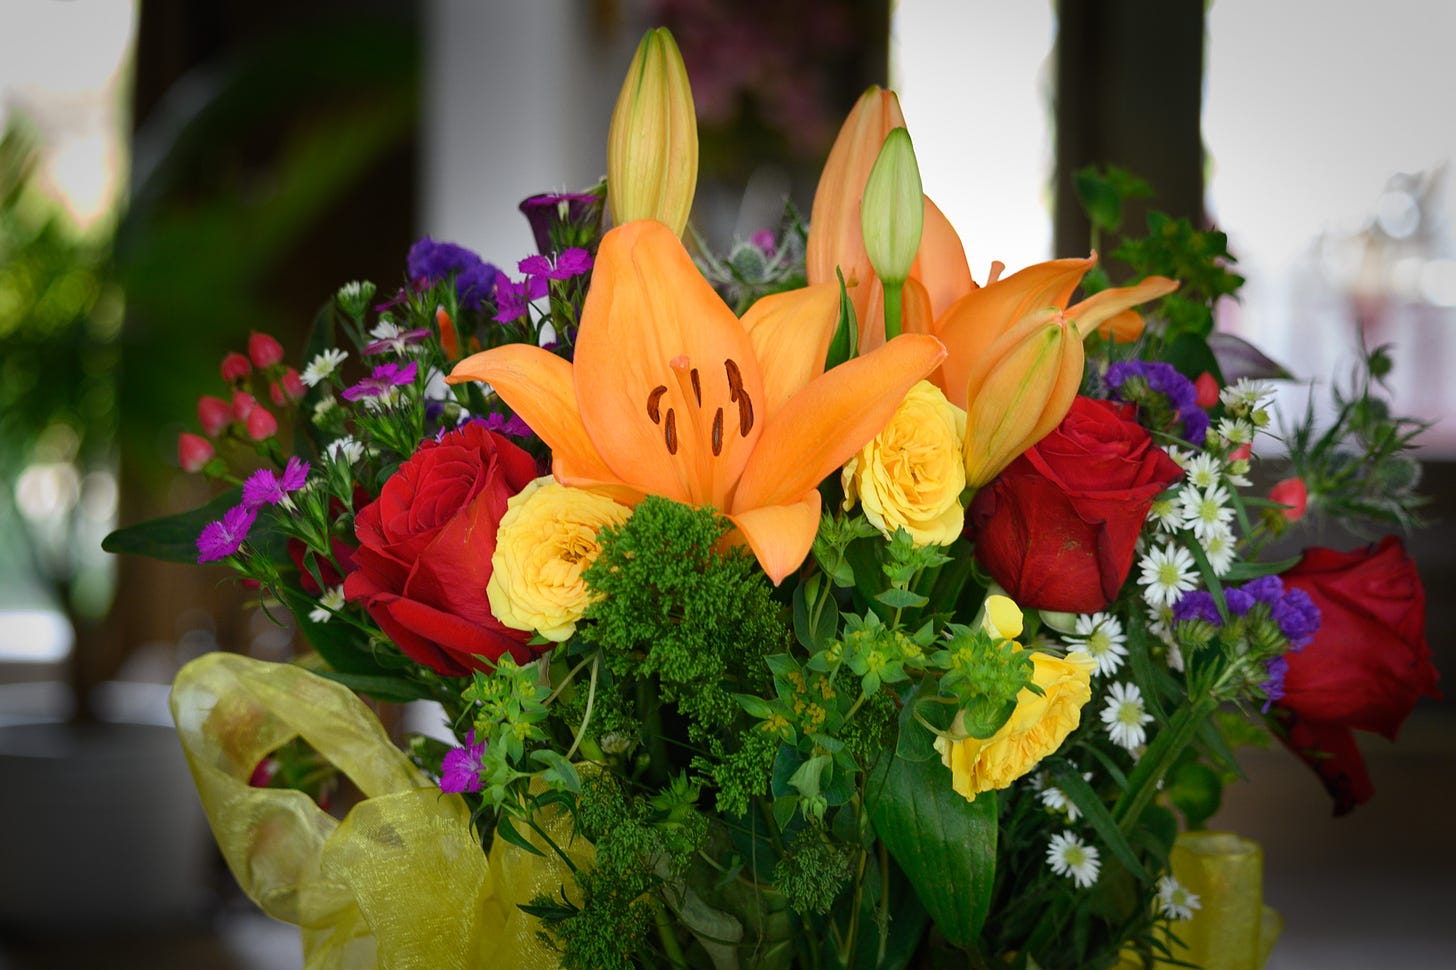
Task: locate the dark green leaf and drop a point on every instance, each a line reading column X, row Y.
column 901, row 599
column 1241, row 571
column 343, row 646
column 846, row 334
column 1066, row 777
column 1195, row 791
column 173, row 538
column 381, row 687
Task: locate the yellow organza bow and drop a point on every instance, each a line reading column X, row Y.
column 399, row 883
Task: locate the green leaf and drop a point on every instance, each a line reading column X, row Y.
column 1241, row 571
column 814, row 635
column 945, row 844
column 901, row 599
column 1195, row 791
column 1100, row 199
column 343, row 646
column 846, row 334
column 173, row 538
column 1065, row 776
column 381, row 687
column 506, row 829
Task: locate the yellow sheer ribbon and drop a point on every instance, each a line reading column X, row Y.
column 1232, row 929
column 401, row 882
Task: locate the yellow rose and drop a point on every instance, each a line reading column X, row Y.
column 547, row 539
column 911, row 475
column 1036, row 728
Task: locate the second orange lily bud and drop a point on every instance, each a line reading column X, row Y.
column 652, row 146
column 1019, row 390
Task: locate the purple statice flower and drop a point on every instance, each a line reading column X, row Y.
column 1196, row 604
column 578, row 213
column 397, row 343
column 501, row 424
column 460, row 771
column 381, row 380
column 1297, row 616
column 1273, row 687
column 1266, row 589
column 1163, row 378
column 432, row 261
column 1238, row 601
column 512, row 299
column 224, row 537
column 263, row 487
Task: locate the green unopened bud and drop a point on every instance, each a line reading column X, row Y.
column 652, row 146
column 892, row 213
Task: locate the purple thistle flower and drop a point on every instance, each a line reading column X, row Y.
column 1266, row 589
column 381, row 380
column 460, row 771
column 1273, row 687
column 397, row 343
column 1297, row 616
column 764, row 240
column 265, row 488
column 224, row 537
column 1197, row 604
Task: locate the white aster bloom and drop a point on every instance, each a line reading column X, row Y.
column 330, row 603
column 1055, row 799
column 1102, row 637
column 1125, row 716
column 1245, row 395
column 1166, row 573
column 1236, row 431
column 1175, row 900
column 1165, row 513
column 1204, row 470
column 324, row 364
column 1219, row 545
column 1181, row 456
column 1236, row 474
column 323, row 407
column 1069, row 856
column 347, row 449
column 385, row 329
column 1205, row 509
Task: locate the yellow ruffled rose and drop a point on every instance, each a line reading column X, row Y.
column 911, row 475
column 547, row 539
column 1035, row 729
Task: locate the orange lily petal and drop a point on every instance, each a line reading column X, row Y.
column 538, row 387
column 979, row 318
column 1124, row 327
column 666, row 379
column 831, row 419
column 1100, row 307
column 940, row 263
column 780, row 535
column 790, row 333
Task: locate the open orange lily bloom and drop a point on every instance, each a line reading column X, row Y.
column 672, row 395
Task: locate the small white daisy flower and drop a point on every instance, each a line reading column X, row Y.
column 1237, row 473
column 1205, row 509
column 1181, row 456
column 1245, row 395
column 1219, row 545
column 1175, row 657
column 323, row 407
column 1125, row 716
column 1101, row 636
column 1236, row 431
column 385, row 329
column 1175, row 900
column 1204, row 470
column 1069, row 856
column 330, row 603
column 1165, row 513
column 1055, row 799
column 323, row 365
column 347, row 449
column 1167, row 572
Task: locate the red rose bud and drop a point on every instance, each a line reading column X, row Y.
column 261, row 424
column 235, row 367
column 243, row 405
column 288, row 389
column 1207, row 389
column 193, row 451
column 264, row 350
column 214, row 414
column 1291, row 492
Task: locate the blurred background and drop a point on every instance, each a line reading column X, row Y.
column 173, row 176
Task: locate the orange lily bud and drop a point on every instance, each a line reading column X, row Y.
column 652, row 146
column 892, row 213
column 1020, row 391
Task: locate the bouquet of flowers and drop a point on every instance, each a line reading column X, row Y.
column 811, row 605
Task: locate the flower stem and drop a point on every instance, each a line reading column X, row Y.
column 893, row 293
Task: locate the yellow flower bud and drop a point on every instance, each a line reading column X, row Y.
column 911, row 474
column 1037, row 728
column 892, row 213
column 546, row 540
column 1020, row 390
column 652, row 146
column 1000, row 617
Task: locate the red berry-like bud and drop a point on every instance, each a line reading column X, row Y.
column 214, row 414
column 264, row 773
column 235, row 367
column 1206, row 387
column 261, row 424
column 193, row 451
column 243, row 405
column 264, row 350
column 288, row 389
column 1293, row 493
column 1242, row 453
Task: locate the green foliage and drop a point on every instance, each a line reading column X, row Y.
column 812, row 873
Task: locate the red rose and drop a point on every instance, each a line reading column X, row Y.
column 1367, row 664
column 425, row 544
column 1057, row 528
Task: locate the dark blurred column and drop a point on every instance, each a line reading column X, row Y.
column 1129, row 93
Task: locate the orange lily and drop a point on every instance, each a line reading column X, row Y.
column 672, row 395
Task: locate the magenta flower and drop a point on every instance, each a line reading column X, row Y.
column 513, row 298
column 263, row 487
column 460, row 771
column 381, row 380
column 397, row 343
column 224, row 537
